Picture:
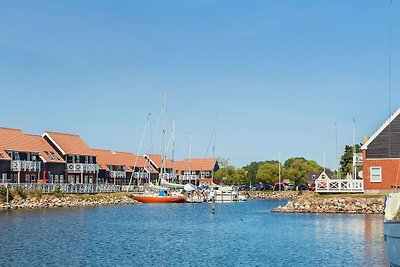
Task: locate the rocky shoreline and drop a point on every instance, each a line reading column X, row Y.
column 67, row 201
column 272, row 194
column 334, row 204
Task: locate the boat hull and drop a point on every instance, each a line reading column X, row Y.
column 160, row 199
column 392, row 242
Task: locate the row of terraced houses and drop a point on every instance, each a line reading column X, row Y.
column 65, row 158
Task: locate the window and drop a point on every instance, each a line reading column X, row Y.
column 27, row 178
column 376, row 175
column 77, row 159
column 4, row 178
column 16, row 155
column 33, row 178
column 86, row 159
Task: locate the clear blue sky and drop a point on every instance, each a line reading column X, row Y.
column 278, row 74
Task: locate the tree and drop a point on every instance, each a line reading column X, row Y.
column 346, row 161
column 252, row 170
column 298, row 167
column 230, row 175
column 269, row 172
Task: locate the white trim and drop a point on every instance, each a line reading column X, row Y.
column 380, row 130
column 51, row 139
column 42, row 158
column 146, row 156
column 380, row 174
column 379, row 159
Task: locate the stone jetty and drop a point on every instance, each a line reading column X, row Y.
column 309, row 203
column 68, row 201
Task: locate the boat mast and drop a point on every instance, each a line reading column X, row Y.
column 279, row 169
column 150, row 146
column 190, row 157
column 164, row 142
column 173, row 149
column 213, row 155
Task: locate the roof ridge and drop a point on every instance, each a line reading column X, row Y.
column 9, row 128
column 62, row 133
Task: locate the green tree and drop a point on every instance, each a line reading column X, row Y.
column 269, row 172
column 230, row 175
column 252, row 170
column 346, row 161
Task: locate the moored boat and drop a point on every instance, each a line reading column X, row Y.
column 159, row 199
column 392, row 229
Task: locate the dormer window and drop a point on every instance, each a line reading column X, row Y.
column 16, row 155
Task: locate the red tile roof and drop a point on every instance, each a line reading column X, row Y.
column 206, row 164
column 70, row 144
column 16, row 140
column 129, row 160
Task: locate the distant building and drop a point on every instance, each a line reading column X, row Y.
column 26, row 158
column 312, row 176
column 381, row 157
column 81, row 167
column 197, row 171
column 122, row 168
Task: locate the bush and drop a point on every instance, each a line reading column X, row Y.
column 37, row 193
column 57, row 192
column 21, row 192
column 3, row 194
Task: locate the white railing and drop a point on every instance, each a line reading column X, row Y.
column 187, row 177
column 22, row 165
column 142, row 175
column 117, row 174
column 82, row 168
column 339, row 186
column 68, row 188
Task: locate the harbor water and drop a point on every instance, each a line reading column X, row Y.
column 238, row 234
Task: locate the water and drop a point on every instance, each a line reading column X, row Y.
column 239, row 234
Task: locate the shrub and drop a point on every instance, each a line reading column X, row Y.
column 57, row 192
column 3, row 194
column 21, row 192
column 37, row 193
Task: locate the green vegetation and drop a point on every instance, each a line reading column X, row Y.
column 346, row 161
column 3, row 194
column 35, row 193
column 19, row 191
column 230, row 175
column 57, row 192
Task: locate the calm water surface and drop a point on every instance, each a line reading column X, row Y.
column 239, row 234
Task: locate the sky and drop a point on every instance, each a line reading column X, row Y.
column 272, row 77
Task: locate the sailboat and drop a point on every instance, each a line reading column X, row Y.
column 391, row 225
column 392, row 228
column 161, row 194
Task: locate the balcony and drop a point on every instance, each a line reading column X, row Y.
column 187, row 177
column 82, row 168
column 117, row 174
column 339, row 186
column 22, row 165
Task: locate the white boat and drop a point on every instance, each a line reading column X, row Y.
column 226, row 194
column 392, row 229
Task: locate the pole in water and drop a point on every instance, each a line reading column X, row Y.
column 213, row 205
column 7, row 195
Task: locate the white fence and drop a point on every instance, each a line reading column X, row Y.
column 68, row 188
column 339, row 186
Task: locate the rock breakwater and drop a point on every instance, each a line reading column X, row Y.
column 67, row 201
column 334, row 204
